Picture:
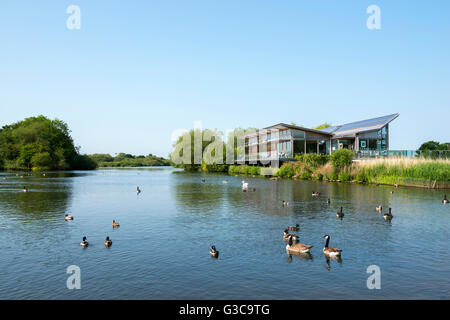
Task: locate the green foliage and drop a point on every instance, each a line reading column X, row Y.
column 320, row 176
column 128, row 160
column 286, row 171
column 312, row 159
column 323, row 126
column 341, row 158
column 37, row 143
column 344, row 176
column 434, row 145
column 244, row 170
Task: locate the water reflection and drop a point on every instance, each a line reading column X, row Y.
column 47, row 197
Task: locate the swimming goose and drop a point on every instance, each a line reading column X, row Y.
column 445, row 201
column 315, row 194
column 296, row 228
column 330, row 251
column 84, row 243
column 340, row 214
column 203, row 180
column 67, row 217
column 214, row 252
column 379, row 208
column 392, row 192
column 25, row 189
column 138, row 190
column 287, row 235
column 297, row 248
column 115, row 224
column 388, row 216
column 328, row 201
column 108, row 242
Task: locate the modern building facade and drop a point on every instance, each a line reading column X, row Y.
column 284, row 141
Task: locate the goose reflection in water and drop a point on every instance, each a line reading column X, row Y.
column 338, row 259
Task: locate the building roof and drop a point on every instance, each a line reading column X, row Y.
column 352, row 128
column 290, row 126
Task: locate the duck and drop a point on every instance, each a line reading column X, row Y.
column 108, row 242
column 214, row 252
column 445, row 200
column 115, row 224
column 67, row 217
column 203, row 180
column 392, row 192
column 388, row 216
column 330, row 251
column 138, row 190
column 315, row 194
column 84, row 243
column 224, row 181
column 287, row 235
column 284, row 203
column 379, row 208
column 292, row 228
column 340, row 214
column 253, row 189
column 298, row 247
column 244, row 186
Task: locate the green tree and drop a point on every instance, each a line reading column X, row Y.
column 323, row 126
column 37, row 142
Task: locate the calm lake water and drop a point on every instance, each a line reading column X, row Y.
column 161, row 250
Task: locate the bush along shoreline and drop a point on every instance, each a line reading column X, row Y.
column 340, row 167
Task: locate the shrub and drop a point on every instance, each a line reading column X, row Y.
column 319, row 176
column 341, row 158
column 286, row 171
column 344, row 176
column 312, row 159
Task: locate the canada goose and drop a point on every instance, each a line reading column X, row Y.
column 108, row 242
column 25, row 189
column 214, row 252
column 388, row 216
column 379, row 208
column 67, row 217
column 138, row 190
column 329, row 251
column 115, row 224
column 315, row 194
column 84, row 243
column 296, row 228
column 392, row 192
column 287, row 235
column 297, row 248
column 328, row 201
column 340, row 214
column 203, row 180
column 445, row 201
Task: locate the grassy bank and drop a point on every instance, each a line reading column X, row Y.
column 403, row 171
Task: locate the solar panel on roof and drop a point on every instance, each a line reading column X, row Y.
column 367, row 123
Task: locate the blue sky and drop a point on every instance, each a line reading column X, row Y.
column 138, row 70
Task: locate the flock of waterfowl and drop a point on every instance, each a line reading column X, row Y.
column 291, row 247
column 108, row 242
column 300, row 248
